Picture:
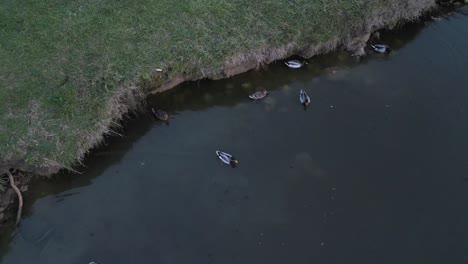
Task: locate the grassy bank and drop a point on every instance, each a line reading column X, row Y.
column 66, row 65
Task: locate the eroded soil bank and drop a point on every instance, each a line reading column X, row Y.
column 9, row 199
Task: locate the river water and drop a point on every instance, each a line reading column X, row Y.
column 374, row 171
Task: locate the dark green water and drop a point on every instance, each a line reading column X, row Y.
column 375, row 171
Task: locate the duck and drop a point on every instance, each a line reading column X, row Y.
column 295, row 64
column 381, row 48
column 227, row 158
column 258, row 95
column 304, row 98
column 160, row 114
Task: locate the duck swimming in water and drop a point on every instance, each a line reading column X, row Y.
column 227, row 158
column 160, row 114
column 304, row 98
column 258, row 95
column 381, row 48
column 295, row 64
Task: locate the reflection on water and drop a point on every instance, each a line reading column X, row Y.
column 372, row 172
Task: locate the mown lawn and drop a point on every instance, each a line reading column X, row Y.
column 61, row 60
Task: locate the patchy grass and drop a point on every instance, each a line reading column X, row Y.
column 62, row 62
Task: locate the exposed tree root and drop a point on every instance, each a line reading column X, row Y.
column 18, row 193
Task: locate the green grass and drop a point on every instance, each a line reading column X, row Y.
column 62, row 60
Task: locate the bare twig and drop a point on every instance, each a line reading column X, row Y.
column 20, row 197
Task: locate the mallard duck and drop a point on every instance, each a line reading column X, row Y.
column 227, row 158
column 160, row 114
column 381, row 48
column 258, row 95
column 295, row 64
column 304, row 98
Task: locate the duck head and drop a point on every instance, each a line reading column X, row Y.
column 234, row 162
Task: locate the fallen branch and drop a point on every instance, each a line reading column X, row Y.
column 18, row 193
